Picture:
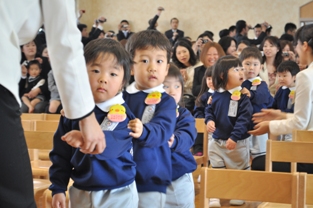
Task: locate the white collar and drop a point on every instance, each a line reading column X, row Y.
column 257, row 77
column 310, row 65
column 290, row 88
column 210, row 91
column 132, row 89
column 105, row 106
column 231, row 90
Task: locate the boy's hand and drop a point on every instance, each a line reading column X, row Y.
column 171, row 141
column 210, row 126
column 73, row 138
column 160, row 9
column 62, row 113
column 24, row 70
column 59, row 201
column 137, row 128
column 245, row 91
column 230, row 144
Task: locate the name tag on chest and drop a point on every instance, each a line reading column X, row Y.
column 108, row 125
column 148, row 113
column 233, row 107
column 253, row 87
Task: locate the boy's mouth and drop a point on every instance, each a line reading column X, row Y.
column 152, row 77
column 100, row 89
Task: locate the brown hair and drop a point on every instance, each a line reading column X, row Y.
column 205, row 49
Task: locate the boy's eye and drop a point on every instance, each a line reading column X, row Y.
column 95, row 71
column 113, row 74
column 165, row 87
column 159, row 61
column 176, row 86
column 144, row 61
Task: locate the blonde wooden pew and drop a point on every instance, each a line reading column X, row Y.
column 294, row 152
column 40, row 116
column 39, row 140
column 46, row 125
column 251, row 186
column 28, row 125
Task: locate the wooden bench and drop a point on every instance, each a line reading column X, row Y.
column 251, row 186
column 40, row 116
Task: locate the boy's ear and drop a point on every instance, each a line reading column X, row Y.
column 132, row 70
column 221, row 75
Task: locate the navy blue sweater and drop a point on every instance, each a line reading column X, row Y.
column 261, row 97
column 199, row 110
column 112, row 169
column 235, row 128
column 151, row 151
column 185, row 136
column 281, row 100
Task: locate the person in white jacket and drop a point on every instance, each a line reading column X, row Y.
column 277, row 122
column 19, row 23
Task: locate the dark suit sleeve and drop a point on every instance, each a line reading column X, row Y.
column 154, row 20
column 256, row 41
column 120, row 35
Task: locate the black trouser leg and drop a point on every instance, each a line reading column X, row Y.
column 16, row 183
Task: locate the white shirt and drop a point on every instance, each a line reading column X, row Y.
column 302, row 118
column 19, row 23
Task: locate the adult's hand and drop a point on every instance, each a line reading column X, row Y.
column 260, row 128
column 93, row 136
column 268, row 115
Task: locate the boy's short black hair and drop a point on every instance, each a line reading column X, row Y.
column 174, row 18
column 100, row 47
column 250, row 52
column 148, row 38
column 33, row 62
column 220, row 70
column 81, row 27
column 287, row 37
column 257, row 26
column 290, row 66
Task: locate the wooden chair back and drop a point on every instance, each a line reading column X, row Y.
column 251, row 186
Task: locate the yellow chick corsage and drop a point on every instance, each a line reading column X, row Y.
column 153, row 98
column 256, row 81
column 117, row 113
column 292, row 94
column 236, row 95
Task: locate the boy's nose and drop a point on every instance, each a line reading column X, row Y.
column 103, row 79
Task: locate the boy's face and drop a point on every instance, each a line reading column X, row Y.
column 150, row 67
column 105, row 77
column 209, row 83
column 286, row 79
column 174, row 24
column 173, row 87
column 257, row 31
column 34, row 70
column 252, row 67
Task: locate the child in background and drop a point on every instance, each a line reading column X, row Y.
column 207, row 90
column 259, row 94
column 156, row 116
column 284, row 99
column 106, row 179
column 180, row 193
column 33, row 82
column 202, row 102
column 228, row 117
